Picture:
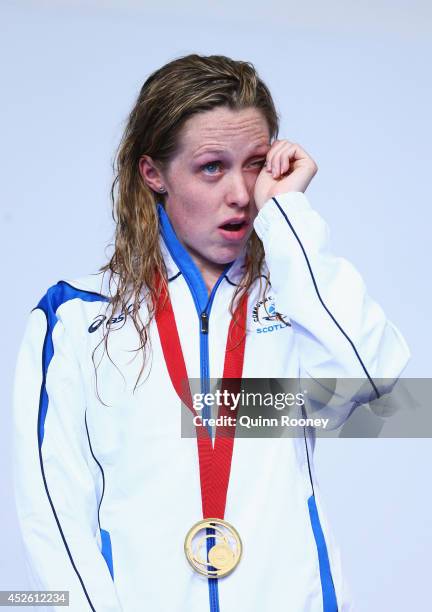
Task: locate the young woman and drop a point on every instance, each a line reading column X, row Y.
column 221, row 268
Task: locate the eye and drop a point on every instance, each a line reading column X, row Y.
column 211, row 167
column 259, row 162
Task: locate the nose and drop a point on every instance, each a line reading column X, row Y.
column 238, row 193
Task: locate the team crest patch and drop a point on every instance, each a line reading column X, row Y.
column 266, row 318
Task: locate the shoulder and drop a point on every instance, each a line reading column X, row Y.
column 89, row 288
column 84, row 293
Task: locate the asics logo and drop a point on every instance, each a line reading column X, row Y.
column 97, row 321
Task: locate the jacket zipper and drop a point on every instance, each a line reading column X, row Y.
column 204, row 330
column 204, row 316
column 203, row 320
column 205, row 387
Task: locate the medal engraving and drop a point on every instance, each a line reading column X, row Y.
column 223, row 557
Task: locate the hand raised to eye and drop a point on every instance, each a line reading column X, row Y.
column 288, row 168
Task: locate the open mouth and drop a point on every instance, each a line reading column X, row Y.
column 233, row 227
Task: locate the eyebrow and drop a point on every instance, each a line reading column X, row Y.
column 214, row 151
column 258, row 153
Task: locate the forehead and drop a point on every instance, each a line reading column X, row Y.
column 224, row 128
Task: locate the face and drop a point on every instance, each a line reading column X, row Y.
column 210, row 182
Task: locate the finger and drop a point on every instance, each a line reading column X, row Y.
column 281, row 159
column 275, row 148
column 292, row 154
column 296, row 152
column 277, row 164
column 285, row 164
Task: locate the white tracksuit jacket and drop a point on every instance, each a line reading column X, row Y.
column 107, row 491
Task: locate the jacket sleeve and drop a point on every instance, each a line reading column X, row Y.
column 340, row 332
column 58, row 483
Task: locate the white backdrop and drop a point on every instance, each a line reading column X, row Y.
column 352, row 84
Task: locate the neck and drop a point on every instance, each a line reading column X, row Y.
column 209, row 271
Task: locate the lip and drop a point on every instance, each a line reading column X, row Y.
column 235, row 235
column 235, row 220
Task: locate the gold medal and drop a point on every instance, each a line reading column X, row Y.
column 224, row 555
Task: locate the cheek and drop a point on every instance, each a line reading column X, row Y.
column 187, row 217
column 252, row 179
column 250, row 182
column 191, row 201
column 186, row 198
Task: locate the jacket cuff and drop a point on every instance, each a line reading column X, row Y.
column 291, row 202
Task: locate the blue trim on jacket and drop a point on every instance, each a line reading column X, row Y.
column 327, row 586
column 57, row 295
column 183, row 261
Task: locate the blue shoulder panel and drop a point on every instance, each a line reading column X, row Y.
column 55, row 297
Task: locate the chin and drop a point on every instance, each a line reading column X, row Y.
column 228, row 254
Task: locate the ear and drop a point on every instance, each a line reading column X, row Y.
column 151, row 174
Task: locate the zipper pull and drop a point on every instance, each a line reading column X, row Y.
column 204, row 323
